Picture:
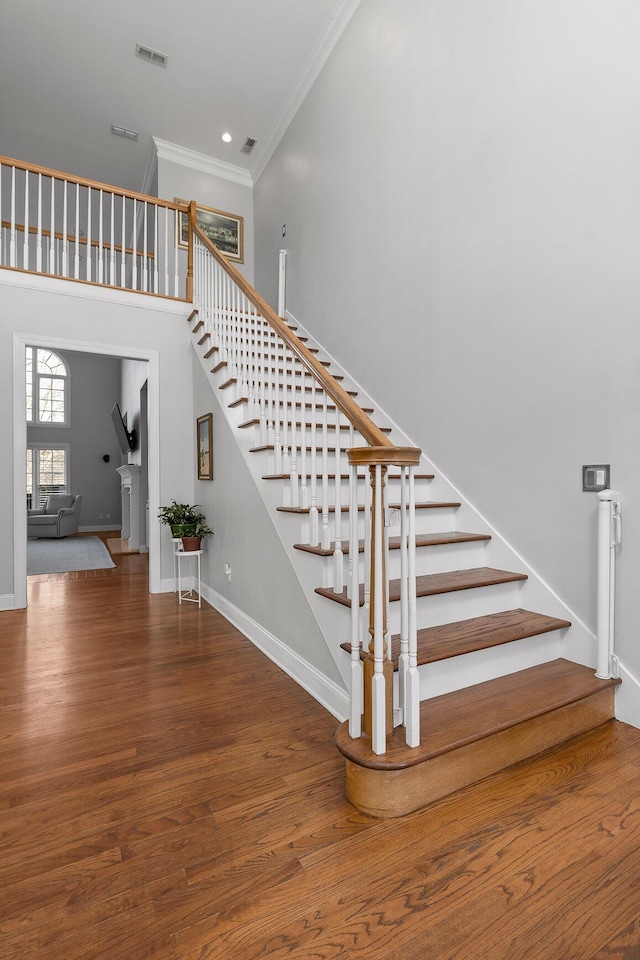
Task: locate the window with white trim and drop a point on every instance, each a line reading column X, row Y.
column 47, row 471
column 47, row 380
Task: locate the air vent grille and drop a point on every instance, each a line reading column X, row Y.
column 124, row 132
column 248, row 146
column 151, row 56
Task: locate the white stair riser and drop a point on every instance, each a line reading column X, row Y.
column 465, row 671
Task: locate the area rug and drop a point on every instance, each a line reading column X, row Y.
column 62, row 556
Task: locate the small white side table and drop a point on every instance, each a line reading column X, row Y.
column 187, row 595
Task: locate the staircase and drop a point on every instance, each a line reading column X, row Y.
column 469, row 619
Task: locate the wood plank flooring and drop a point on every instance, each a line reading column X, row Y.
column 167, row 793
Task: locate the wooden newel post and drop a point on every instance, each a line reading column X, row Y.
column 378, row 667
column 192, row 221
column 377, row 655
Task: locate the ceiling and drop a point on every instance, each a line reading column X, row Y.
column 68, row 71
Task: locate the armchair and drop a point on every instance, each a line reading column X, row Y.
column 59, row 517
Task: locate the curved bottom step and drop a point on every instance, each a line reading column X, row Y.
column 471, row 733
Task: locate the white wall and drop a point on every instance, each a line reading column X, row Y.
column 462, row 201
column 69, row 315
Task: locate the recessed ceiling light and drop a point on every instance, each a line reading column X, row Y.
column 124, row 132
column 226, row 137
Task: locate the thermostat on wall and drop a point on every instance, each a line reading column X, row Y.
column 596, row 477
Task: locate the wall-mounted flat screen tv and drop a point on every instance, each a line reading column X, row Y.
column 126, row 438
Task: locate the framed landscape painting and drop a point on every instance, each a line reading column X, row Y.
column 225, row 230
column 204, row 436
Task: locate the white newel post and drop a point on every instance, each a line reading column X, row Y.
column 282, row 283
column 609, row 536
column 130, row 491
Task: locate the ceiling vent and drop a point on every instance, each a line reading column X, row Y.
column 123, row 132
column 248, row 146
column 151, row 56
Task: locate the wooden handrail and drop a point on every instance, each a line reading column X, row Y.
column 346, row 404
column 6, row 224
column 95, row 184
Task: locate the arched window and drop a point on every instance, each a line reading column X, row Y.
column 47, row 388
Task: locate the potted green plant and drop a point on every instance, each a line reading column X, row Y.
column 192, row 541
column 186, row 521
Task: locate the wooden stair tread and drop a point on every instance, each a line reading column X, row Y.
column 425, row 505
column 479, row 633
column 344, row 476
column 432, row 584
column 422, row 540
column 466, row 716
column 345, row 427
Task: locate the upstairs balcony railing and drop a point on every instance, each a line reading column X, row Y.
column 63, row 226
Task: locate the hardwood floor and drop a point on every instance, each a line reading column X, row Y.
column 166, row 792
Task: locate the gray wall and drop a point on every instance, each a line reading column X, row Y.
column 176, row 180
column 94, row 386
column 462, row 202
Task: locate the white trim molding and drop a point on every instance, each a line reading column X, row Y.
column 628, row 697
column 334, row 29
column 66, row 287
column 8, row 602
column 202, row 163
column 332, row 697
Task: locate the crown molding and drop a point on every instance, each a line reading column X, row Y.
column 202, row 163
column 334, row 29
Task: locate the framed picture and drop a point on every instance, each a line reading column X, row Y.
column 204, row 437
column 225, row 230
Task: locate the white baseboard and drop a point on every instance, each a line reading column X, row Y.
column 628, row 698
column 7, row 601
column 329, row 694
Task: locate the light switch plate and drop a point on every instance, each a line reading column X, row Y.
column 595, row 477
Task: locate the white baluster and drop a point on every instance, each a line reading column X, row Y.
column 176, row 279
column 295, row 494
column 403, row 659
column 356, row 703
column 314, row 531
column 123, row 246
column 165, row 289
column 52, row 231
column 155, row 248
column 89, row 247
column 286, row 463
column 412, row 707
column 39, row 233
column 378, row 684
column 100, row 272
column 145, row 262
column 338, row 556
column 12, row 226
column 112, row 252
column 304, row 490
column 76, row 254
column 277, row 440
column 65, row 230
column 326, row 533
column 25, row 237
